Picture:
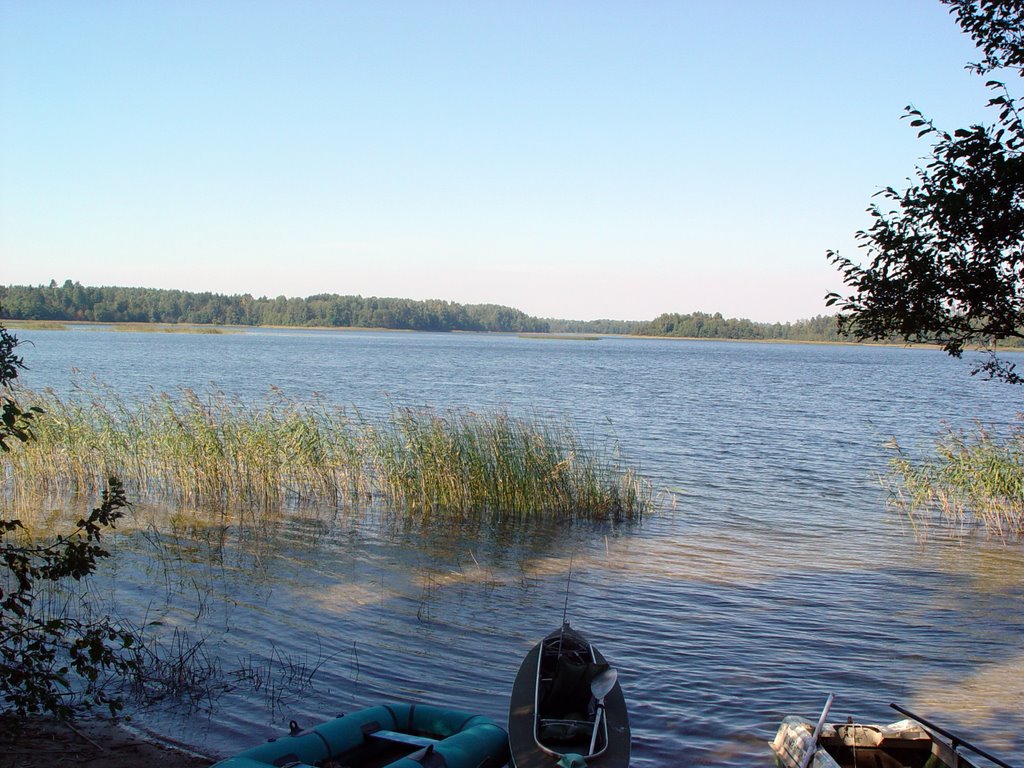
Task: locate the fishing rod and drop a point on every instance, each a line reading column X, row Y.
column 565, row 609
column 955, row 740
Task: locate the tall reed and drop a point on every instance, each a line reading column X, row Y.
column 216, row 451
column 973, row 478
column 463, row 462
column 195, row 450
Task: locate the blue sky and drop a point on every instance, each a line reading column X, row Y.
column 572, row 159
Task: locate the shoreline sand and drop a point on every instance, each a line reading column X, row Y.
column 93, row 742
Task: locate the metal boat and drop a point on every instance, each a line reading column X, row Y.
column 567, row 708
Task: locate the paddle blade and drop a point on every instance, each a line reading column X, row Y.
column 602, row 685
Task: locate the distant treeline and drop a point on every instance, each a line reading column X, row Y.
column 73, row 301
column 624, row 327
column 702, row 326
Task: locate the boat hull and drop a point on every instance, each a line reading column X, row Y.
column 386, row 736
column 525, row 743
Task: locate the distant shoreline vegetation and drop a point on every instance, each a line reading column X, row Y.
column 110, row 304
column 73, row 302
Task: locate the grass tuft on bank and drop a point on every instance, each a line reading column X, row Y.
column 213, row 451
column 973, row 479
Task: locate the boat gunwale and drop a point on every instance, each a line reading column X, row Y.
column 561, row 632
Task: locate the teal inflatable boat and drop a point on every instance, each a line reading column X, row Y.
column 386, row 736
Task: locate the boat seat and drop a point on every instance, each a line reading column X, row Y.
column 562, row 731
column 397, row 737
column 569, row 691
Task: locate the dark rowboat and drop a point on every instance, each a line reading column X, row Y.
column 553, row 712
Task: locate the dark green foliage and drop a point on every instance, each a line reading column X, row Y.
column 699, row 325
column 51, row 661
column 947, row 253
column 72, row 301
column 995, row 27
column 621, row 327
column 14, row 422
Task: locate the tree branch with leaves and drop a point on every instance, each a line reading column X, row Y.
column 52, row 662
column 946, row 254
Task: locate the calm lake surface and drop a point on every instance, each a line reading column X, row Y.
column 771, row 574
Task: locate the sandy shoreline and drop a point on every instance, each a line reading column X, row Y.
column 96, row 743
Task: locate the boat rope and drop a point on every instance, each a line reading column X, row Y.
column 855, row 727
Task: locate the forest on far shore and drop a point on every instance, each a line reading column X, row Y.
column 71, row 301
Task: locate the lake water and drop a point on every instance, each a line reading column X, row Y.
column 771, row 574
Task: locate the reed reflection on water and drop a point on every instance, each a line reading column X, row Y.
column 778, row 576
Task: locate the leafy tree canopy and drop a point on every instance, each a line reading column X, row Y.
column 112, row 304
column 946, row 254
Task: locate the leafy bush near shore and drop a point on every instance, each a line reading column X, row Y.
column 974, row 478
column 51, row 659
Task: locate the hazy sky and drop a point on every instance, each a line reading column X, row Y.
column 572, row 159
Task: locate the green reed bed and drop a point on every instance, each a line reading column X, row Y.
column 216, row 451
column 193, row 450
column 466, row 462
column 35, row 325
column 973, row 478
column 168, row 328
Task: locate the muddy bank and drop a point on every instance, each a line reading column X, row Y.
column 95, row 743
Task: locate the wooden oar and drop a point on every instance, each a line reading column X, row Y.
column 817, row 734
column 600, row 687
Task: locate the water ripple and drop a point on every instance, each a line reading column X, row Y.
column 773, row 574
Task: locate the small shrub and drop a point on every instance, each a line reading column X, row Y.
column 50, row 660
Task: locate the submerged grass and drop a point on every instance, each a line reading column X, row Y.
column 168, row 328
column 35, row 325
column 974, row 478
column 216, row 451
